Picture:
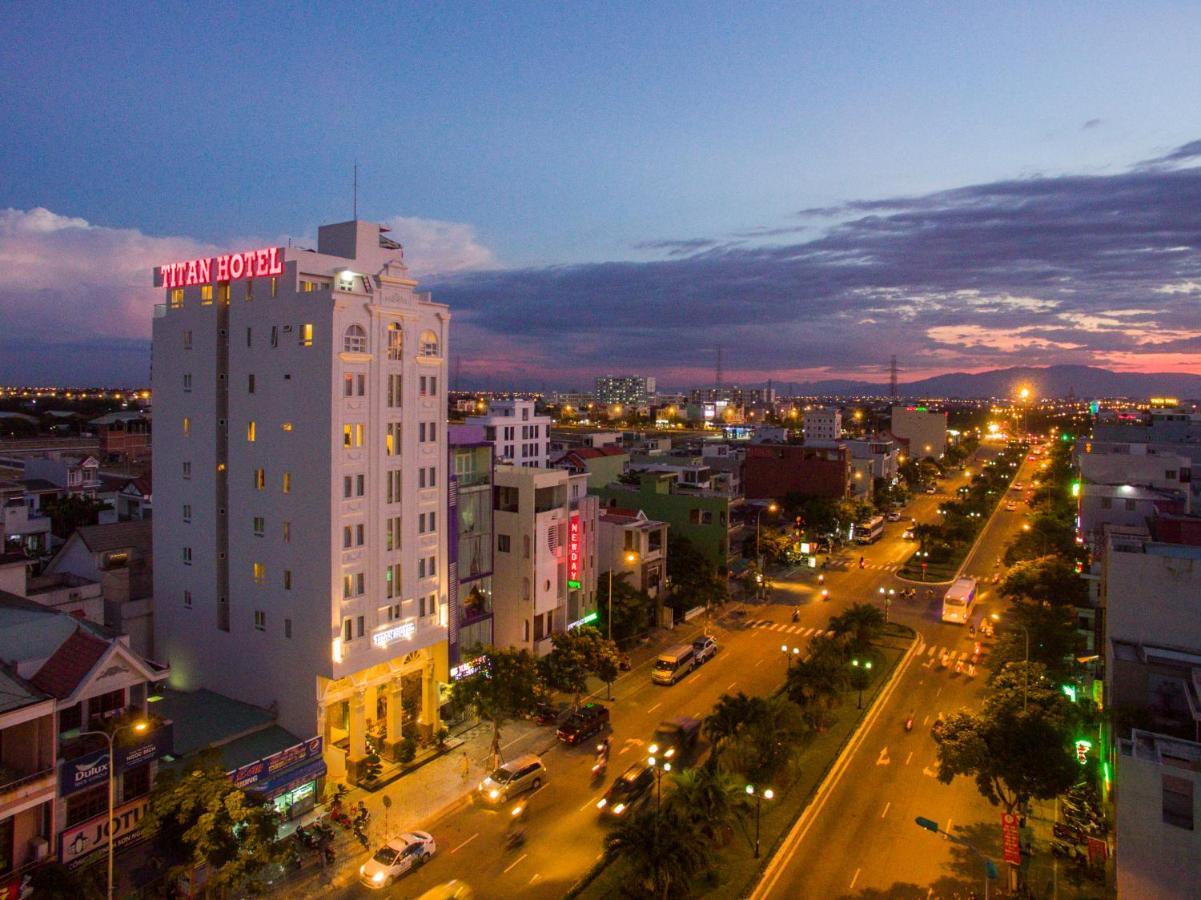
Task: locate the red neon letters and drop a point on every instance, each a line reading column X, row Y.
column 573, row 549
column 249, row 264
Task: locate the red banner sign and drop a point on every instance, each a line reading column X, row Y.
column 263, row 263
column 1010, row 842
column 573, row 552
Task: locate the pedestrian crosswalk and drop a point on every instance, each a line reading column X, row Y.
column 782, row 628
column 847, row 565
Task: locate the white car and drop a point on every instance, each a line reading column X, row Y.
column 893, row 516
column 403, row 854
column 908, row 535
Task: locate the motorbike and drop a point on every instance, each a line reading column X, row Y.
column 514, row 839
column 825, row 594
column 796, row 615
column 623, row 662
column 909, row 723
column 821, row 579
column 361, row 836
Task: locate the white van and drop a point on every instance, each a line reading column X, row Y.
column 673, row 664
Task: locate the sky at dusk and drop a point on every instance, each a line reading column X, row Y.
column 623, row 187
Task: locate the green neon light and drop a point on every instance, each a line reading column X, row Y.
column 921, row 409
column 1070, row 692
column 591, row 617
column 574, row 585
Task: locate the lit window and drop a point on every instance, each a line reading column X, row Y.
column 250, row 431
column 287, row 532
column 260, row 573
column 347, row 436
column 206, row 293
column 176, row 298
column 260, row 479
column 286, row 426
column 429, row 344
column 274, row 286
column 306, row 334
column 287, row 482
column 187, row 427
column 355, row 340
column 395, row 341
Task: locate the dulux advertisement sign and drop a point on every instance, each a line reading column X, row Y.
column 92, row 769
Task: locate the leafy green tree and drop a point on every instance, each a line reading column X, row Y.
column 199, row 817
column 861, row 622
column 1019, row 746
column 662, row 851
column 631, row 609
column 504, row 686
column 1050, row 579
column 769, row 739
column 1051, row 633
column 1048, row 536
column 694, row 579
column 731, row 714
column 710, row 798
column 69, row 512
column 566, row 668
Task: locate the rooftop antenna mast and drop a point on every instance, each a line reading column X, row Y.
column 892, row 378
column 356, row 190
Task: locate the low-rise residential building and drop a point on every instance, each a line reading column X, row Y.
column 471, row 541
column 1123, row 504
column 76, row 476
column 23, row 528
column 881, row 451
column 124, row 435
column 630, row 543
column 28, row 782
column 774, row 471
column 120, row 557
column 545, row 566
column 520, row 435
column 822, row 425
column 702, row 517
column 602, row 465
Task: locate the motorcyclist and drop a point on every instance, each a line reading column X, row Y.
column 796, row 614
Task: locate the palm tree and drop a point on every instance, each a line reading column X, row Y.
column 815, row 683
column 710, row 798
column 863, row 622
column 661, row 849
column 730, row 715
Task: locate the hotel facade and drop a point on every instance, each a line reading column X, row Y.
column 300, row 455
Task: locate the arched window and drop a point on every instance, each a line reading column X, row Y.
column 355, row 340
column 395, row 341
column 429, row 343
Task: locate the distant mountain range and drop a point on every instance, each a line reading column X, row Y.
column 1084, row 382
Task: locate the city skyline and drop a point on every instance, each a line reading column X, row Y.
column 1033, row 213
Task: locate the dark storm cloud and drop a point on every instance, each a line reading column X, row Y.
column 1034, row 270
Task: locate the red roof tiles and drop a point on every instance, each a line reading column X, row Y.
column 61, row 674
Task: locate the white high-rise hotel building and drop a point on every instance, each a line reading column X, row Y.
column 299, row 462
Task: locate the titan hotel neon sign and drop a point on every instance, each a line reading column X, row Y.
column 263, row 263
column 396, row 633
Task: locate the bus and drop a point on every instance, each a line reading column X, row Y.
column 959, row 600
column 870, row 531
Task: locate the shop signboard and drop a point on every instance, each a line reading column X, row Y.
column 91, row 769
column 1010, row 843
column 573, row 552
column 78, row 842
column 264, row 773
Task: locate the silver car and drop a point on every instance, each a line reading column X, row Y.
column 525, row 773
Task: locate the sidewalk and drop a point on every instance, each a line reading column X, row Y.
column 427, row 795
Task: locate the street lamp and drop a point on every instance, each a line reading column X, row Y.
column 861, row 672
column 659, row 766
column 771, row 508
column 788, row 657
column 760, row 796
column 990, row 868
column 109, row 736
column 630, row 557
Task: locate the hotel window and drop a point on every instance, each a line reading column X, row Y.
column 187, row 469
column 260, row 526
column 359, row 621
column 187, row 599
column 223, row 292
column 274, row 335
column 287, row 579
column 393, row 488
column 429, row 344
column 394, row 385
column 249, row 337
column 352, row 435
column 187, row 382
column 421, row 432
column 392, row 580
column 250, row 431
column 422, row 386
column 176, row 298
column 287, row 483
column 274, row 287
column 287, row 532
column 421, row 477
column 286, row 426
column 250, row 383
column 187, row 512
column 288, row 628
column 206, row 293
column 260, row 572
column 421, row 607
column 392, row 439
column 348, row 385
column 249, row 290
column 187, row 340
column 421, row 523
column 395, row 341
column 306, row 334
column 187, row 427
column 354, row 340
column 347, row 630
column 187, row 556
column 392, row 533
column 260, row 620
column 352, row 585
column 393, row 612
column 260, row 479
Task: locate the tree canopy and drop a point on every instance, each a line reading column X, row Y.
column 1049, row 579
column 503, row 686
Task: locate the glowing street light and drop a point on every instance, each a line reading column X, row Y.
column 760, row 795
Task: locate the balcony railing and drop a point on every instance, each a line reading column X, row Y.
column 11, row 780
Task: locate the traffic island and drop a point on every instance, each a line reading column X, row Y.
column 733, row 868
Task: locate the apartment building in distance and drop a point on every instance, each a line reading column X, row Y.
column 520, row 435
column 822, row 425
column 624, row 390
column 300, row 534
column 923, row 431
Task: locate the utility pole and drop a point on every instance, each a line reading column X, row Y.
column 892, row 378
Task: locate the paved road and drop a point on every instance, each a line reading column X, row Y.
column 564, row 837
column 862, row 841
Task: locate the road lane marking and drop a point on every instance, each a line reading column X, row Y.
column 537, row 875
column 692, row 678
column 886, row 805
column 656, row 706
column 622, row 750
column 515, row 862
column 758, row 663
column 883, row 759
column 465, row 843
column 731, row 684
column 925, row 721
column 909, row 757
column 854, row 879
column 586, row 805
column 939, row 691
column 948, row 825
